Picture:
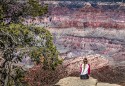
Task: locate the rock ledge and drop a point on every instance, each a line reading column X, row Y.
column 76, row 81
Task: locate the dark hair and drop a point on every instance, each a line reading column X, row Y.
column 85, row 61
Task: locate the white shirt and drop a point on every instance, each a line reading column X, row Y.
column 85, row 71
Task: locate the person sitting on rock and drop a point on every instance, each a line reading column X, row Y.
column 84, row 69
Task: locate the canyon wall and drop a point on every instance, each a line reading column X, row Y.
column 92, row 28
column 72, row 42
column 95, row 31
column 88, row 15
column 104, row 48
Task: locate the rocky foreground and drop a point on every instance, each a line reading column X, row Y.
column 76, row 81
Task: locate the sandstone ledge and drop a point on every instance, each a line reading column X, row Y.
column 76, row 81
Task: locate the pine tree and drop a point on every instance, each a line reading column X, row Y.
column 17, row 37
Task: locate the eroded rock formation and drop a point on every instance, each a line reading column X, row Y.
column 87, row 15
column 103, row 48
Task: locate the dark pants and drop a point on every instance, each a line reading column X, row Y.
column 84, row 76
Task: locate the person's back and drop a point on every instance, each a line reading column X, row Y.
column 84, row 69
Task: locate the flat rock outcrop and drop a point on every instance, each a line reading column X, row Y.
column 76, row 81
column 106, row 84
